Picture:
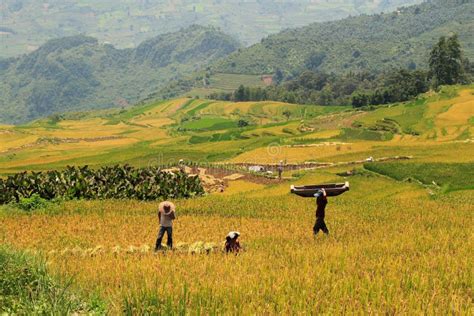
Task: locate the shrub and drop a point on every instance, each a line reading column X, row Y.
column 242, row 123
column 32, row 203
column 289, row 131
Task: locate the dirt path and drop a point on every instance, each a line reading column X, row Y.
column 216, row 178
column 318, row 165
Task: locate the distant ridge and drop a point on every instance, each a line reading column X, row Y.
column 364, row 43
column 78, row 73
column 27, row 24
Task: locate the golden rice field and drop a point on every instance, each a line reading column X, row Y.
column 395, row 247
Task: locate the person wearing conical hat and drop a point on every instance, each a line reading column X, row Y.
column 232, row 243
column 166, row 216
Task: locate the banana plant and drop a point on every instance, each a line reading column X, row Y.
column 117, row 182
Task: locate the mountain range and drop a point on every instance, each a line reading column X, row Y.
column 79, row 73
column 364, row 43
column 27, row 24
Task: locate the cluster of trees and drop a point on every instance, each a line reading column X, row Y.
column 447, row 66
column 402, row 85
column 329, row 89
column 447, row 63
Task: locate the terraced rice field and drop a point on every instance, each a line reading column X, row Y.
column 221, row 82
column 183, row 128
column 396, row 246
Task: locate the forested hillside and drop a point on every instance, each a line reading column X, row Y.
column 26, row 24
column 80, row 72
column 77, row 73
column 364, row 43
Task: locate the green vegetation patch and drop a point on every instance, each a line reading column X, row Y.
column 119, row 182
column 186, row 105
column 448, row 92
column 471, row 120
column 387, row 125
column 217, row 137
column 198, row 108
column 132, row 112
column 209, row 123
column 408, row 118
column 466, row 134
column 412, row 117
column 303, row 141
column 26, row 288
column 32, row 203
column 230, row 82
column 364, row 134
column 290, row 131
column 197, row 139
column 451, row 176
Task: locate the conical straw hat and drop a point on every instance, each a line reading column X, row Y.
column 162, row 205
column 233, row 235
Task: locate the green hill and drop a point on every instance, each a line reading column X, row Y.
column 364, row 43
column 26, row 24
column 79, row 73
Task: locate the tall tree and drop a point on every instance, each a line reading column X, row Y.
column 239, row 94
column 278, row 76
column 446, row 62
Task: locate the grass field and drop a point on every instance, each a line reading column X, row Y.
column 210, row 123
column 27, row 287
column 452, row 176
column 395, row 246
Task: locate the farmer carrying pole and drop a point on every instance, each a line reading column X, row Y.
column 320, row 192
column 321, row 202
column 166, row 216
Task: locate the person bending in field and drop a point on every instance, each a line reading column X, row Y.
column 166, row 216
column 232, row 243
column 321, row 202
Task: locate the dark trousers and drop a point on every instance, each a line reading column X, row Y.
column 161, row 233
column 320, row 225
